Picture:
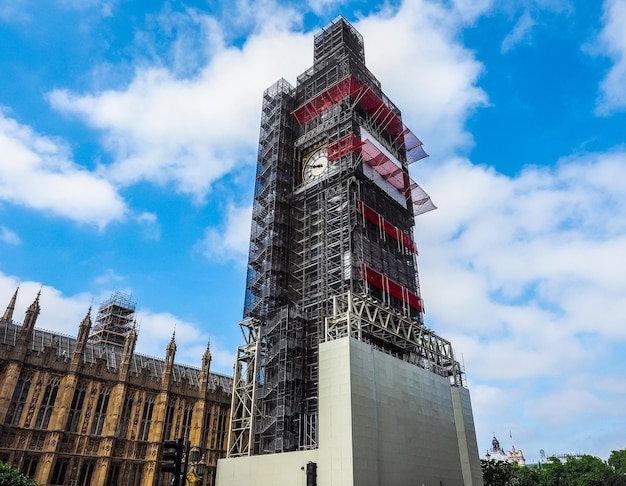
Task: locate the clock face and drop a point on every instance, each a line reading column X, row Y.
column 315, row 166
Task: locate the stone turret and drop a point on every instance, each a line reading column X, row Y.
column 169, row 363
column 30, row 319
column 8, row 313
column 129, row 349
column 206, row 369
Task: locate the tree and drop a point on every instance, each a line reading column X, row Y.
column 10, row 476
column 586, row 471
column 496, row 473
column 525, row 475
column 617, row 460
column 552, row 473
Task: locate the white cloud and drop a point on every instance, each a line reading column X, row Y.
column 104, row 6
column 418, row 46
column 230, row 241
column 108, row 279
column 155, row 332
column 63, row 314
column 524, row 275
column 14, row 10
column 470, row 10
column 190, row 132
column 150, row 227
column 521, row 32
column 8, row 236
column 320, row 6
column 612, row 43
column 37, row 172
column 60, row 313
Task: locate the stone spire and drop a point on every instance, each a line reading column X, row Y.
column 130, row 342
column 84, row 328
column 171, row 351
column 206, row 369
column 206, row 358
column 81, row 340
column 129, row 348
column 8, row 314
column 31, row 317
column 169, row 363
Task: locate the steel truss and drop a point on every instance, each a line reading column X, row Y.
column 245, row 384
column 365, row 319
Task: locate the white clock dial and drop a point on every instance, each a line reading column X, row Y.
column 315, row 166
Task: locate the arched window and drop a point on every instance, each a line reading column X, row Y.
column 47, row 404
column 14, row 413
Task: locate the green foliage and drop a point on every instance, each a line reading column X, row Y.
column 552, row 473
column 584, row 471
column 496, row 473
column 9, row 476
column 525, row 476
column 617, row 460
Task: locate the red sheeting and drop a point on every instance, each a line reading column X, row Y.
column 343, row 146
column 396, row 233
column 387, row 285
column 326, row 99
column 385, row 167
column 371, row 103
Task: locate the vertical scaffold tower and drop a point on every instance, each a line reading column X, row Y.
column 331, row 251
column 114, row 321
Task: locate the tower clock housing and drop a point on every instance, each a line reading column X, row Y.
column 332, row 253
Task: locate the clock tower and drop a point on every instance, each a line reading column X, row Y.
column 337, row 359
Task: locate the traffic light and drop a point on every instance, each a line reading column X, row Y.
column 172, row 458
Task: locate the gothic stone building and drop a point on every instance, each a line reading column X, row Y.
column 80, row 412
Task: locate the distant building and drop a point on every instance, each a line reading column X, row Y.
column 516, row 456
column 116, row 318
column 496, row 453
column 93, row 412
column 561, row 457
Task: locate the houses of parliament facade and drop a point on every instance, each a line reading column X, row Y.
column 90, row 411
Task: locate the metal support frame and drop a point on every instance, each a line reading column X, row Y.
column 245, row 386
column 365, row 319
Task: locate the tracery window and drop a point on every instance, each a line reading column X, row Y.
column 47, row 404
column 76, row 408
column 60, row 470
column 114, row 474
column 221, row 429
column 169, row 418
column 136, row 471
column 125, row 417
column 101, row 411
column 187, row 414
column 146, row 418
column 29, row 467
column 86, row 473
column 16, row 407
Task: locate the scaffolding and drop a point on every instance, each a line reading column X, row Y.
column 115, row 319
column 367, row 320
column 330, row 257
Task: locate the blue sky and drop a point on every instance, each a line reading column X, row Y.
column 128, row 135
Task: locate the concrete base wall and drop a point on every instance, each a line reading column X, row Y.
column 381, row 422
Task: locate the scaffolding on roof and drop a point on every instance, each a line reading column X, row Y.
column 115, row 319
